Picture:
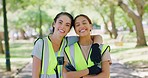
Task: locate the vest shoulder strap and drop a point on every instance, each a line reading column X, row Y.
column 42, row 50
column 37, row 40
column 104, row 48
column 66, row 50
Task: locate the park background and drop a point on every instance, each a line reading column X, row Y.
column 123, row 24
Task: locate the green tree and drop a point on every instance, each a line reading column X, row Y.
column 129, row 23
column 104, row 13
column 112, row 19
column 137, row 19
column 8, row 64
column 107, row 12
column 34, row 18
column 1, row 45
column 0, row 7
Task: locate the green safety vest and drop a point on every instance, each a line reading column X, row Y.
column 76, row 58
column 49, row 60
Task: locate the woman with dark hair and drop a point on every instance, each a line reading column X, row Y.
column 83, row 58
column 48, row 51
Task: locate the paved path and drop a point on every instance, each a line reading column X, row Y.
column 118, row 70
column 25, row 72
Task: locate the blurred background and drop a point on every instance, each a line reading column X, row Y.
column 123, row 24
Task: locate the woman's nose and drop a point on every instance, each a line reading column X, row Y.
column 62, row 26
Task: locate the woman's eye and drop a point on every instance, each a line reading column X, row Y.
column 68, row 25
column 84, row 23
column 60, row 22
column 77, row 25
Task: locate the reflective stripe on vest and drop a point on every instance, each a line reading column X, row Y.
column 76, row 57
column 49, row 61
column 48, row 76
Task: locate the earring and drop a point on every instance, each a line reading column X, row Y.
column 90, row 31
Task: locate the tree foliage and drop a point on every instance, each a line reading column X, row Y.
column 137, row 18
column 26, row 12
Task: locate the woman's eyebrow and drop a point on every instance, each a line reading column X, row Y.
column 77, row 23
column 83, row 20
column 61, row 20
column 67, row 23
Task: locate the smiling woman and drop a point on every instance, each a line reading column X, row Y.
column 83, row 58
column 48, row 51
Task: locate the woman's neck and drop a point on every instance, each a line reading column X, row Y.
column 85, row 40
column 56, row 39
column 56, row 42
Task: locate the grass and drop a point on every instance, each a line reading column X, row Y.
column 20, row 49
column 14, row 66
column 20, row 53
column 128, row 54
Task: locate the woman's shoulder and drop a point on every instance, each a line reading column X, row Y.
column 40, row 40
column 71, row 40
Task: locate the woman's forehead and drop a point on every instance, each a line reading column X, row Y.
column 64, row 18
column 80, row 19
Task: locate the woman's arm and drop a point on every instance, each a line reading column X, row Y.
column 105, row 65
column 36, row 67
column 97, row 39
column 105, row 71
column 74, row 74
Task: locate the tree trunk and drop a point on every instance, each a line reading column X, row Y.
column 131, row 29
column 1, row 47
column 40, row 21
column 114, row 30
column 22, row 34
column 106, row 26
column 8, row 63
column 129, row 23
column 141, row 40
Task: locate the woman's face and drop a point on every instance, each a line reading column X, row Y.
column 82, row 26
column 62, row 25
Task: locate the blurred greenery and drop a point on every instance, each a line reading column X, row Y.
column 20, row 54
column 128, row 54
column 20, row 14
column 25, row 13
column 20, row 49
column 15, row 66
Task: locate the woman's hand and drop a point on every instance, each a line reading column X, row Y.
column 88, row 76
